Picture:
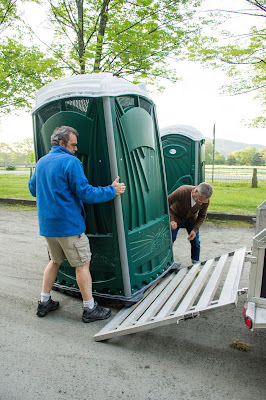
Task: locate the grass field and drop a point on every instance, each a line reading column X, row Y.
column 16, row 186
column 240, row 198
column 228, row 196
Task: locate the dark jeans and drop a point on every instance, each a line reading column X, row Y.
column 195, row 243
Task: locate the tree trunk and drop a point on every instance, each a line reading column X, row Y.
column 80, row 36
column 100, row 36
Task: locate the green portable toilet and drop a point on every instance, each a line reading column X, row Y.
column 118, row 136
column 184, row 156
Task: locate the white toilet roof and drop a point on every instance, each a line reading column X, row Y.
column 88, row 85
column 185, row 130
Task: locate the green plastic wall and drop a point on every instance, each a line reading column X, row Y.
column 181, row 157
column 140, row 167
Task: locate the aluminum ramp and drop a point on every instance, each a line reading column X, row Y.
column 181, row 294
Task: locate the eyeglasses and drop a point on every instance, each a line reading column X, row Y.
column 202, row 199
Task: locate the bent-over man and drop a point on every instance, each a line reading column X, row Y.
column 188, row 209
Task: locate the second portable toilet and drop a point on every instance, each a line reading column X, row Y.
column 118, row 136
column 184, row 156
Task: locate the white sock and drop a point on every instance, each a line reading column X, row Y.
column 45, row 297
column 88, row 304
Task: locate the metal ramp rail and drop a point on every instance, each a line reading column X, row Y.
column 181, row 294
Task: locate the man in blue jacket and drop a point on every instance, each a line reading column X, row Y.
column 60, row 187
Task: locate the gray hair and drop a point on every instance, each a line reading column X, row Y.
column 62, row 133
column 206, row 189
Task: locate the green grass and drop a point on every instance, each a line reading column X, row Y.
column 240, row 198
column 18, row 207
column 16, row 186
column 228, row 196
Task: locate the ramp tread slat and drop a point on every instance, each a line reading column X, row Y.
column 143, row 306
column 177, row 295
column 229, row 291
column 162, row 297
column 208, row 293
column 157, row 308
column 193, row 292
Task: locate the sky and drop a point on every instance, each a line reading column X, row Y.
column 194, row 101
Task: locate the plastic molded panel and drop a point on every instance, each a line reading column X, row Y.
column 74, row 119
column 184, row 159
column 144, row 204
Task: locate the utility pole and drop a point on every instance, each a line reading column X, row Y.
column 213, row 152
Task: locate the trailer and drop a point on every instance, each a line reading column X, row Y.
column 189, row 292
column 255, row 307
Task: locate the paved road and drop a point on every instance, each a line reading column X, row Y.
column 56, row 358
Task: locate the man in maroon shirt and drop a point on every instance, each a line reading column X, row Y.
column 188, row 209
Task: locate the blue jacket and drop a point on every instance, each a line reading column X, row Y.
column 60, row 186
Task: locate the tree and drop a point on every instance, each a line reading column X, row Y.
column 208, row 153
column 218, row 157
column 18, row 152
column 237, row 157
column 8, row 11
column 230, row 160
column 245, row 157
column 5, row 153
column 263, row 153
column 23, row 150
column 23, row 68
column 129, row 38
column 243, row 55
column 249, row 156
column 257, row 159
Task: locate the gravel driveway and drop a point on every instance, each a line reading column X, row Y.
column 56, row 358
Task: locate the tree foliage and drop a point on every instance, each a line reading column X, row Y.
column 241, row 55
column 23, row 67
column 218, row 157
column 23, row 70
column 129, row 38
column 249, row 156
column 231, row 160
column 18, row 152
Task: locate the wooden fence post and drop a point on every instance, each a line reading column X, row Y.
column 254, row 182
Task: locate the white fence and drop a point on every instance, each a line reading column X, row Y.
column 234, row 173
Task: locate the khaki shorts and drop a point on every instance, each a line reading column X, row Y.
column 75, row 248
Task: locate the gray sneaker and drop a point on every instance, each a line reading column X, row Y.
column 44, row 308
column 96, row 313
